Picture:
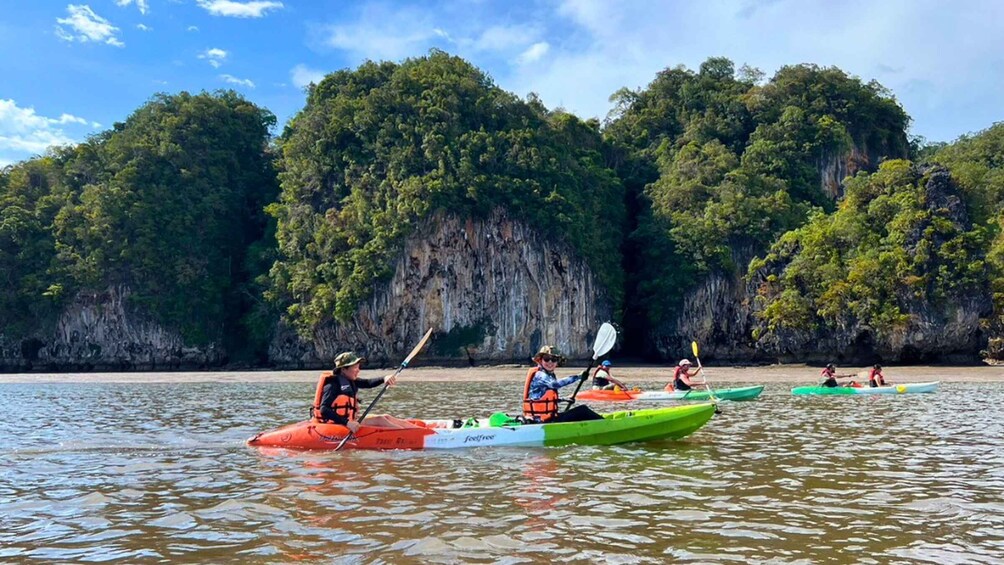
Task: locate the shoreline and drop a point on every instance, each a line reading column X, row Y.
column 793, row 374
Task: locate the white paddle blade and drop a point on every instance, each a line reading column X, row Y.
column 605, row 339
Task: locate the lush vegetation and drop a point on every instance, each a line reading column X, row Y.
column 977, row 164
column 167, row 203
column 900, row 242
column 722, row 165
column 379, row 148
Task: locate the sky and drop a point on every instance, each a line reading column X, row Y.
column 69, row 70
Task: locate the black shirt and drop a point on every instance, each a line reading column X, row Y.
column 340, row 384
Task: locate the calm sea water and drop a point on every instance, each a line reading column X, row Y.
column 159, row 472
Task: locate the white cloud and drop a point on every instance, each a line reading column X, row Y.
column 141, row 4
column 88, row 27
column 503, row 38
column 192, row 28
column 238, row 81
column 142, row 27
column 214, row 56
column 234, row 9
column 385, row 33
column 301, row 75
column 533, row 53
column 24, row 133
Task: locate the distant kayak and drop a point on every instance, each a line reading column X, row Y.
column 742, row 393
column 615, row 428
column 904, row 388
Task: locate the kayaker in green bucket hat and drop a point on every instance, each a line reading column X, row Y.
column 540, row 392
column 335, row 400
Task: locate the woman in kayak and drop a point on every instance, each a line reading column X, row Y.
column 540, row 393
column 603, row 380
column 875, row 377
column 682, row 376
column 830, row 376
column 338, row 390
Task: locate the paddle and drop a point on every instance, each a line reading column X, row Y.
column 704, row 376
column 605, row 339
column 400, row 368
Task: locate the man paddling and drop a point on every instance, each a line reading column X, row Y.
column 603, row 380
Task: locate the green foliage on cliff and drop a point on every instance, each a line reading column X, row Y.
column 379, row 148
column 734, row 164
column 31, row 194
column 900, row 241
column 166, row 203
column 977, row 164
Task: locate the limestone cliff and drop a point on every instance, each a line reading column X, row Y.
column 948, row 330
column 99, row 331
column 493, row 290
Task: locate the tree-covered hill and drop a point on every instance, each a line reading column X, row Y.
column 166, row 203
column 377, row 149
column 721, row 165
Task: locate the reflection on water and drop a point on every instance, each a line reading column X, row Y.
column 151, row 472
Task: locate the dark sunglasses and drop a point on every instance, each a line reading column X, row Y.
column 549, row 358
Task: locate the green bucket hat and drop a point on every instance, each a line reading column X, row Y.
column 347, row 359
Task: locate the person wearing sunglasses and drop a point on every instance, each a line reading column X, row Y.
column 540, row 393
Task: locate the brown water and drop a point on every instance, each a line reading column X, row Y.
column 158, row 472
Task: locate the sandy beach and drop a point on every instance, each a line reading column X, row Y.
column 516, row 373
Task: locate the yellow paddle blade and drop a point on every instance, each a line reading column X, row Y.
column 693, row 346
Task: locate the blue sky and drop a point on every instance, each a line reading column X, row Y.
column 71, row 69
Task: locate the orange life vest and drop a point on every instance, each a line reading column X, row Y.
column 543, row 409
column 344, row 404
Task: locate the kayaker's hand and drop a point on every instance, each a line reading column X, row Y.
column 390, row 380
column 353, row 426
column 584, row 375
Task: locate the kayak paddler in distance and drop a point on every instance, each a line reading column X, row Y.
column 335, row 400
column 540, row 392
column 682, row 376
column 829, row 377
column 603, row 380
column 875, row 377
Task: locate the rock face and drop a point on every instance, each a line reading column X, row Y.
column 98, row 331
column 835, row 167
column 946, row 331
column 717, row 314
column 493, row 290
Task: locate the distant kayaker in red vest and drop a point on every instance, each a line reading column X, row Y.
column 603, row 380
column 830, row 376
column 540, row 392
column 335, row 399
column 875, row 377
column 682, row 376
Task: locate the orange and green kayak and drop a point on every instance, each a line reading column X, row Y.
column 615, row 428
